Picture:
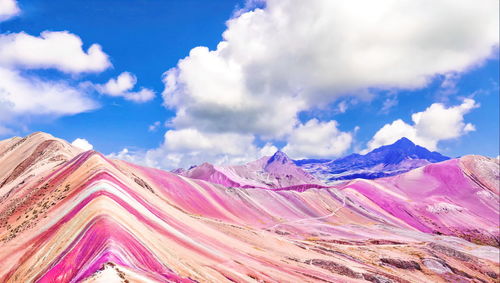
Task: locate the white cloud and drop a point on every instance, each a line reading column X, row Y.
column 434, row 124
column 317, row 139
column 209, row 92
column 186, row 147
column 24, row 95
column 83, row 144
column 116, row 87
column 136, row 157
column 122, row 86
column 294, row 54
column 8, row 9
column 143, row 95
column 30, row 96
column 52, row 49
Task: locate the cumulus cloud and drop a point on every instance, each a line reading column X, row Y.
column 122, row 87
column 116, row 87
column 60, row 50
column 209, row 92
column 83, row 144
column 143, row 95
column 291, row 56
column 136, row 157
column 31, row 96
column 286, row 58
column 429, row 127
column 8, row 9
column 26, row 95
column 187, row 147
column 317, row 139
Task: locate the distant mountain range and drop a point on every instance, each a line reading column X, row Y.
column 272, row 172
column 279, row 171
column 388, row 160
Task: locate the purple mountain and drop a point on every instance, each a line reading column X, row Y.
column 389, row 160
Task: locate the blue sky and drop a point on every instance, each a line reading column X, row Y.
column 303, row 110
column 143, row 37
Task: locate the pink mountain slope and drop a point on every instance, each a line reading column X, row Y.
column 277, row 171
column 456, row 197
column 72, row 216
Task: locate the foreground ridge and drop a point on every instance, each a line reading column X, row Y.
column 72, row 216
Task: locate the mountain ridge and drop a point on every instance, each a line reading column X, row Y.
column 276, row 171
column 94, row 219
column 388, row 160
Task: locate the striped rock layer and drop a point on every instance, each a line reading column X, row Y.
column 72, row 216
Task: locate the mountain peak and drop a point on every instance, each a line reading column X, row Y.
column 404, row 142
column 402, row 145
column 40, row 135
column 279, row 156
column 401, row 156
column 401, row 150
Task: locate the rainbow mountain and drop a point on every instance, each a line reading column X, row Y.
column 73, row 216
